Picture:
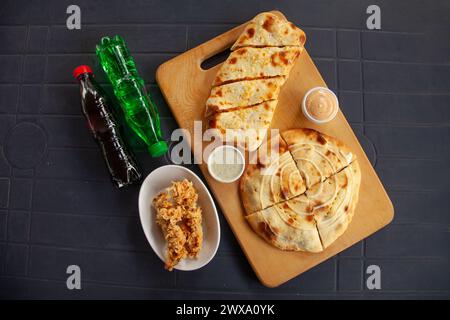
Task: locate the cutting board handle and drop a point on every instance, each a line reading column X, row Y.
column 217, row 45
column 222, row 42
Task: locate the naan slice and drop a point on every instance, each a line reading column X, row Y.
column 317, row 155
column 268, row 29
column 334, row 202
column 254, row 63
column 272, row 179
column 246, row 126
column 243, row 94
column 288, row 226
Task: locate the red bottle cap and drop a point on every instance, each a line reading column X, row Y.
column 80, row 70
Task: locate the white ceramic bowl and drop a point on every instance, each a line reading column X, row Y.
column 310, row 117
column 218, row 149
column 156, row 182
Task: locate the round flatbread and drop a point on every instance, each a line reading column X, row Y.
column 312, row 217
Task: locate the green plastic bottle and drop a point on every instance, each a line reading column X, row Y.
column 140, row 111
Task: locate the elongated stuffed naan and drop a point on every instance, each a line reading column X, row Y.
column 308, row 196
column 267, row 29
column 246, row 126
column 253, row 63
column 259, row 64
column 244, row 93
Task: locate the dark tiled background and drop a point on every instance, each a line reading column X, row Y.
column 58, row 207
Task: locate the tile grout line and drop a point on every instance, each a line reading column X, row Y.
column 336, row 275
column 30, row 220
column 11, row 176
column 197, row 23
column 88, row 249
column 233, row 291
column 154, row 84
column 364, row 127
column 173, row 53
column 27, row 269
column 88, row 53
column 187, row 38
column 222, row 254
column 361, row 265
column 361, row 64
column 38, row 117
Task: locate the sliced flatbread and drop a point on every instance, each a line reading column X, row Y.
column 288, row 226
column 317, row 155
column 310, row 204
column 312, row 221
column 254, row 63
column 251, row 78
column 242, row 94
column 268, row 29
column 273, row 179
column 334, row 202
column 247, row 126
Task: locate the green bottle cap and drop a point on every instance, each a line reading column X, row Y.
column 158, row 149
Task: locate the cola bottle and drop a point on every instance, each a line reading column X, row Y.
column 105, row 129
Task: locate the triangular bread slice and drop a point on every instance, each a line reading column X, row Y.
column 312, row 221
column 272, row 179
column 246, row 127
column 288, row 225
column 243, row 93
column 334, row 202
column 268, row 29
column 255, row 63
column 317, row 155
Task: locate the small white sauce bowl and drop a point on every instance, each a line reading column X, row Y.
column 310, row 117
column 218, row 149
column 157, row 181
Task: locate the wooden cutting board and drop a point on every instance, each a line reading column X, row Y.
column 186, row 86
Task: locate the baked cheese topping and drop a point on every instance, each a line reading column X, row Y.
column 259, row 64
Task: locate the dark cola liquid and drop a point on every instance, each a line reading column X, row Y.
column 105, row 130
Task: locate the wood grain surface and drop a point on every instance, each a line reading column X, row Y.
column 186, row 86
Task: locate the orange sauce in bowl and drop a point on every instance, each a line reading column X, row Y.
column 321, row 104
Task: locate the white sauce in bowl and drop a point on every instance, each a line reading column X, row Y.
column 226, row 164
